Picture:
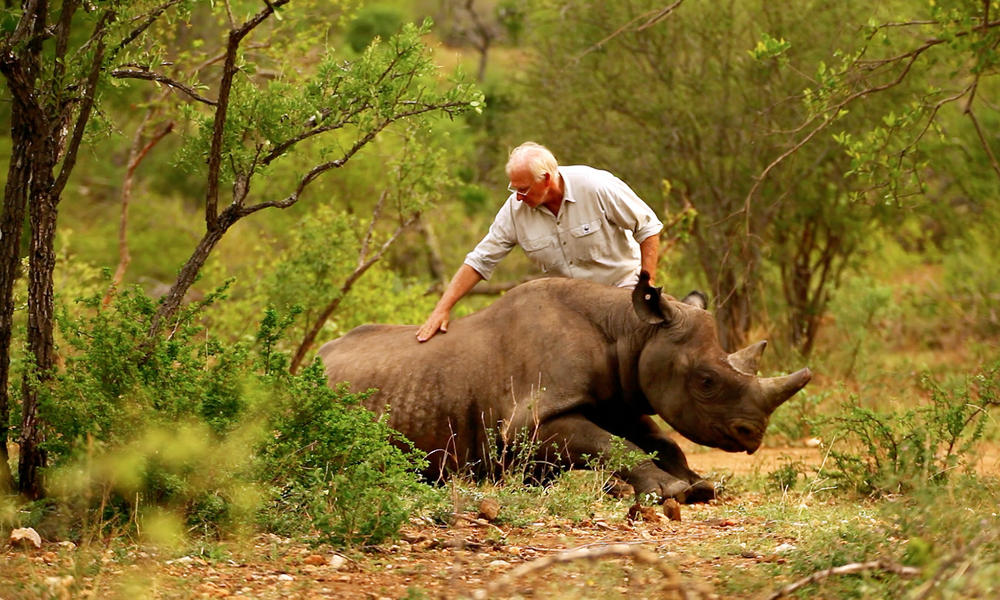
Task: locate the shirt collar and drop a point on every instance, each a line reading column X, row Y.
column 567, row 188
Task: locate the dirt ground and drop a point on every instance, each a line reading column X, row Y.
column 467, row 559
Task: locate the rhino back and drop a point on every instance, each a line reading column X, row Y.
column 529, row 354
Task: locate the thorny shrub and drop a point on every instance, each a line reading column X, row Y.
column 898, row 451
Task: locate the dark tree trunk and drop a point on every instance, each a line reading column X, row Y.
column 41, row 314
column 27, row 126
column 11, row 226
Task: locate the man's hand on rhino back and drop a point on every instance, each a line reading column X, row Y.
column 437, row 321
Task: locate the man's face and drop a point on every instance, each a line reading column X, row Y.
column 527, row 189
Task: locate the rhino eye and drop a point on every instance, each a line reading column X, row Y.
column 707, row 383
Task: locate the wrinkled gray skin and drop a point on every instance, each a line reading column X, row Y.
column 571, row 363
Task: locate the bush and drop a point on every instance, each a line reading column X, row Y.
column 189, row 433
column 331, row 460
column 898, row 451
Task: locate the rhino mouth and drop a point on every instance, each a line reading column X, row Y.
column 737, row 437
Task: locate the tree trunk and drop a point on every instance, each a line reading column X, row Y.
column 732, row 313
column 11, row 226
column 41, row 313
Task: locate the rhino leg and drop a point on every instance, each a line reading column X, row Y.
column 669, row 457
column 576, row 438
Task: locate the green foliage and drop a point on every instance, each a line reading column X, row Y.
column 769, row 47
column 972, row 285
column 190, row 434
column 899, row 451
column 334, row 112
column 126, row 379
column 330, row 459
column 373, row 21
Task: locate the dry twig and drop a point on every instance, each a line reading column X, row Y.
column 673, row 585
column 848, row 569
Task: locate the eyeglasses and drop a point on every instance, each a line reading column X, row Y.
column 519, row 191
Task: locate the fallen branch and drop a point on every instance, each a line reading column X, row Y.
column 673, row 585
column 849, row 569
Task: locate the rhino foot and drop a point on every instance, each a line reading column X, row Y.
column 650, row 481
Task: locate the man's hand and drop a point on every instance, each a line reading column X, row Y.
column 437, row 321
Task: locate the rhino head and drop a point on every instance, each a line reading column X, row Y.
column 711, row 397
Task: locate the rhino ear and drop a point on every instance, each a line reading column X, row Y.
column 696, row 298
column 649, row 303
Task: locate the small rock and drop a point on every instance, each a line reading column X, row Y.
column 336, row 561
column 285, row 577
column 782, row 548
column 25, row 537
column 672, row 509
column 814, row 442
column 499, row 564
column 59, row 587
column 638, row 512
column 489, row 509
column 314, row 559
column 66, row 545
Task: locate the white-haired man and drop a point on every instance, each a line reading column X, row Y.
column 572, row 221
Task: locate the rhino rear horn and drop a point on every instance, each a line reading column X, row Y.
column 746, row 361
column 649, row 303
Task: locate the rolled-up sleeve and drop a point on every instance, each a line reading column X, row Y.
column 626, row 210
column 497, row 244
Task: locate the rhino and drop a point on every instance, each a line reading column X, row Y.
column 571, row 365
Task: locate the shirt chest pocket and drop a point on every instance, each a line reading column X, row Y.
column 542, row 250
column 588, row 241
column 588, row 228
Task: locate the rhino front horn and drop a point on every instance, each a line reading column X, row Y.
column 775, row 390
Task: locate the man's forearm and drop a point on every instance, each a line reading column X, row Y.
column 649, row 253
column 464, row 280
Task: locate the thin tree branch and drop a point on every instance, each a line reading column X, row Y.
column 86, row 107
column 69, row 7
column 832, row 113
column 150, row 19
column 982, row 140
column 229, row 70
column 137, row 154
column 318, row 170
column 652, row 17
column 154, row 76
column 27, row 26
column 363, row 265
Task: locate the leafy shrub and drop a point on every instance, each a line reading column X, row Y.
column 188, row 433
column 330, row 459
column 897, row 451
column 117, row 380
